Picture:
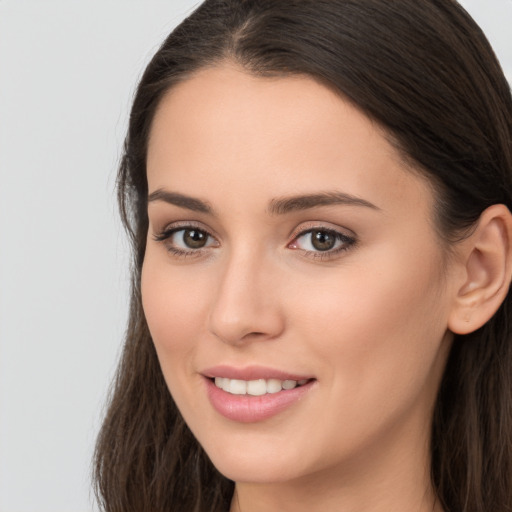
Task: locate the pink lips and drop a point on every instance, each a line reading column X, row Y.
column 249, row 409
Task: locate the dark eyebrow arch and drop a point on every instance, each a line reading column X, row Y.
column 181, row 200
column 281, row 206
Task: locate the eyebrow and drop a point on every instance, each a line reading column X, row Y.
column 281, row 206
column 183, row 201
column 277, row 206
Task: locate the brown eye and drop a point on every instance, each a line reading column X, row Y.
column 194, row 238
column 323, row 240
column 320, row 240
column 187, row 240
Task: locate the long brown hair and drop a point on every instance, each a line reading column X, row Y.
column 425, row 72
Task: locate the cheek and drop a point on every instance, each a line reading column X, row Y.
column 379, row 324
column 174, row 302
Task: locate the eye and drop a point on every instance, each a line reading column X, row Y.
column 190, row 238
column 186, row 240
column 321, row 240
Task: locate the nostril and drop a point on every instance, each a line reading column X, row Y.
column 254, row 335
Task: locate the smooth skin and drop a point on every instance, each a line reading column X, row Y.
column 232, row 276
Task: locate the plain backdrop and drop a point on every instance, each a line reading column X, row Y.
column 68, row 69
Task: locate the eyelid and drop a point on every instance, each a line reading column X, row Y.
column 307, row 227
column 183, row 224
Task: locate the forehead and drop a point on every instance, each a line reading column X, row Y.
column 227, row 130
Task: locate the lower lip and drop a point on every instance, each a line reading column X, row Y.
column 250, row 409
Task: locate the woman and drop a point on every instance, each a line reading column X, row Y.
column 318, row 197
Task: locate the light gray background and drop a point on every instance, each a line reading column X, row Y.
column 67, row 73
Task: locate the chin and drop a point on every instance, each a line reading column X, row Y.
column 260, row 461
column 243, row 469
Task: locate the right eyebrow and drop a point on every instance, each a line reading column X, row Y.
column 181, row 200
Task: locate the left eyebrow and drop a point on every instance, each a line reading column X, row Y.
column 281, row 206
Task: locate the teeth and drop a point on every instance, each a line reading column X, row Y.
column 289, row 384
column 238, row 387
column 274, row 386
column 256, row 387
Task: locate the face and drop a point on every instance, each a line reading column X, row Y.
column 293, row 283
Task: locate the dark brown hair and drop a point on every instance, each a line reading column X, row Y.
column 425, row 72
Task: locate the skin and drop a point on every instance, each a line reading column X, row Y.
column 369, row 323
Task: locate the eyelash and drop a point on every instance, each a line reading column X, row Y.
column 346, row 242
column 167, row 234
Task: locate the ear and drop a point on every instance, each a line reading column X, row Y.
column 486, row 259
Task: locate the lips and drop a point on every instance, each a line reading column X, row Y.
column 252, row 373
column 254, row 394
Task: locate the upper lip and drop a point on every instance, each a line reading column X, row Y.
column 251, row 373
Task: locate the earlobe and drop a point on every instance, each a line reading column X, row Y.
column 487, row 260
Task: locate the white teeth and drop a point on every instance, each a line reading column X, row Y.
column 274, row 386
column 289, row 384
column 238, row 387
column 256, row 387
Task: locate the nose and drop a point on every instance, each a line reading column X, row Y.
column 246, row 306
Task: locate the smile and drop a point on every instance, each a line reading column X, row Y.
column 254, row 400
column 257, row 387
